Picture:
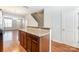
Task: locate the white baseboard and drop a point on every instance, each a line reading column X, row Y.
column 76, row 46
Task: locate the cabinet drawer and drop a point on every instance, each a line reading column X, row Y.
column 33, row 37
column 35, row 46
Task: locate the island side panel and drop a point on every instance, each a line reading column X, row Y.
column 44, row 43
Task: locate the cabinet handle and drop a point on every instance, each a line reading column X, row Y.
column 35, row 41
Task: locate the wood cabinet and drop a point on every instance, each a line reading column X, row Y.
column 1, row 42
column 32, row 43
column 28, row 41
column 22, row 38
column 35, row 46
column 28, row 48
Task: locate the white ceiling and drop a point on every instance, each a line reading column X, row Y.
column 70, row 8
column 33, row 9
column 63, row 8
column 21, row 10
column 14, row 9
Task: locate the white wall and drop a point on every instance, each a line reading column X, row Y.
column 25, row 23
column 67, row 18
column 31, row 21
column 52, row 18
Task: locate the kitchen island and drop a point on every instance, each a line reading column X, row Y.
column 34, row 39
column 1, row 40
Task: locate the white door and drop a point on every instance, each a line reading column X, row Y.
column 56, row 27
column 68, row 27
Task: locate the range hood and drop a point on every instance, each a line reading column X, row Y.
column 39, row 17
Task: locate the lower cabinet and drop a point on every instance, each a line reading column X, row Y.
column 35, row 46
column 22, row 38
column 1, row 42
column 29, row 42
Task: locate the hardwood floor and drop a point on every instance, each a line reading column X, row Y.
column 59, row 47
column 11, row 43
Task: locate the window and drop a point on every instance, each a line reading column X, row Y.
column 7, row 22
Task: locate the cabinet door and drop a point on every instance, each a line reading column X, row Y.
column 1, row 42
column 28, row 44
column 68, row 27
column 35, row 46
column 24, row 40
column 21, row 37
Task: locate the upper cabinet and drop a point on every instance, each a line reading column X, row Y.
column 39, row 17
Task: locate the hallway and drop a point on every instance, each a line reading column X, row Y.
column 11, row 43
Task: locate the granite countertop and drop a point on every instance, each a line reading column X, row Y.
column 36, row 31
